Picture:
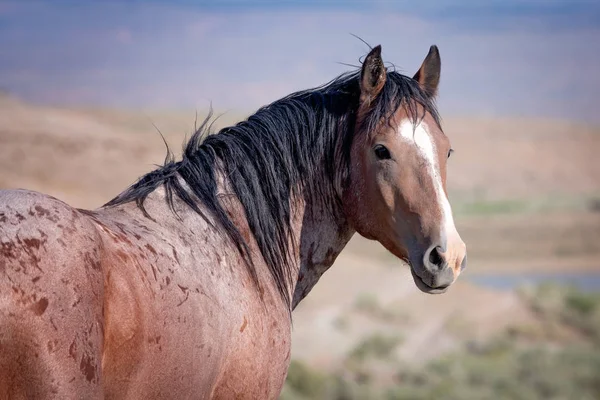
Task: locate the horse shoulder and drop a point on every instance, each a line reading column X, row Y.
column 162, row 307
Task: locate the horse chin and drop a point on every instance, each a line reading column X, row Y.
column 425, row 288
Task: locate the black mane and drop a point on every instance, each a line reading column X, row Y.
column 299, row 144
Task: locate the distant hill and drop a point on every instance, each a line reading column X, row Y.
column 88, row 155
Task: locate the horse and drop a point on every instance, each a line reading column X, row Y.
column 183, row 285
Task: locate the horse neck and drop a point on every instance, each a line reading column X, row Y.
column 319, row 231
column 320, row 236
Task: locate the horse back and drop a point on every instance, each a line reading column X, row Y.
column 51, row 299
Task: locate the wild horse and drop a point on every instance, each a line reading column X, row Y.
column 183, row 285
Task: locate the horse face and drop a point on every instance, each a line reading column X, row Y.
column 397, row 188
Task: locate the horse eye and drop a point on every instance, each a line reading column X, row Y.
column 450, row 152
column 382, row 152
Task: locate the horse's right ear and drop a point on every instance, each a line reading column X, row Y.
column 372, row 75
column 428, row 75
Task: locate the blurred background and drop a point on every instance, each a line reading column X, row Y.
column 84, row 86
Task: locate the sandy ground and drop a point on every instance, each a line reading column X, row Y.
column 85, row 157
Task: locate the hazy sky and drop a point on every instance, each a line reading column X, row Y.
column 528, row 57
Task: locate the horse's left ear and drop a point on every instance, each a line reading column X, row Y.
column 429, row 73
column 372, row 75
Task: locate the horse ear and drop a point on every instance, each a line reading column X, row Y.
column 372, row 75
column 428, row 75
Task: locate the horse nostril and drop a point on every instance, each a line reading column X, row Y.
column 434, row 257
column 435, row 271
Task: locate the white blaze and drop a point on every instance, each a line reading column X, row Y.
column 420, row 137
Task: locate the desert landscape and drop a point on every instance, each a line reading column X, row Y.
column 526, row 198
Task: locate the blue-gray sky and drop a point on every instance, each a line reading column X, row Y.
column 511, row 57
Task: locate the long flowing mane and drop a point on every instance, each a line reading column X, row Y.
column 299, row 144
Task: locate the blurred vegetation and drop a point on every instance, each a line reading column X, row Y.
column 368, row 305
column 376, row 346
column 562, row 307
column 556, row 358
column 471, row 205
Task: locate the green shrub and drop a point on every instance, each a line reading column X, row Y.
column 375, row 346
column 304, row 380
column 368, row 304
column 582, row 303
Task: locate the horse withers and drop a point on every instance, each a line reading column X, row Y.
column 182, row 287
